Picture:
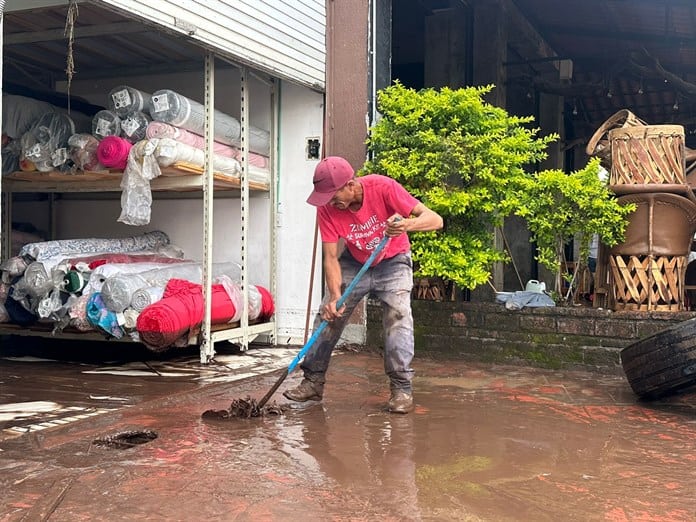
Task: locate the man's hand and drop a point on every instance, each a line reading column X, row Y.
column 329, row 311
column 396, row 225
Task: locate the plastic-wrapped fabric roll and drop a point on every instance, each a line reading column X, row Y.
column 83, row 151
column 124, row 100
column 117, row 291
column 144, row 297
column 36, row 281
column 168, row 152
column 154, row 274
column 69, row 247
column 134, row 126
column 48, row 134
column 78, row 314
column 101, row 317
column 106, row 123
column 74, row 281
column 158, row 129
column 170, row 107
column 113, row 151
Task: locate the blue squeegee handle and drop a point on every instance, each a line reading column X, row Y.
column 339, row 303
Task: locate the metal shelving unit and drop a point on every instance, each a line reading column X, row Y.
column 207, row 183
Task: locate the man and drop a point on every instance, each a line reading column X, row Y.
column 361, row 211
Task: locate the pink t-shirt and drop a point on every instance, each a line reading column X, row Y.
column 363, row 230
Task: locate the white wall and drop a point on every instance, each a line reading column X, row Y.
column 301, row 117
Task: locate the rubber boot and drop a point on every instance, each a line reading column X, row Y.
column 308, row 390
column 401, row 402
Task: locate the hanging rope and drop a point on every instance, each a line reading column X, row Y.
column 69, row 32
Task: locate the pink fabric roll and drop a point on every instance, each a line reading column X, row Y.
column 113, row 152
column 158, row 129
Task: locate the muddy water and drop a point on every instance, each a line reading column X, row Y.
column 485, row 443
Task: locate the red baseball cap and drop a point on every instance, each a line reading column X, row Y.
column 331, row 174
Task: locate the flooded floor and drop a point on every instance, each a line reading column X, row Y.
column 485, row 442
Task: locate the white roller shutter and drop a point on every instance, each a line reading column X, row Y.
column 282, row 37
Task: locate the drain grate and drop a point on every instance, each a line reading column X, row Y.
column 125, row 439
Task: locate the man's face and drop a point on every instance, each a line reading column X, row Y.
column 343, row 198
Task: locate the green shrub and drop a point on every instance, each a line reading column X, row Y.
column 462, row 157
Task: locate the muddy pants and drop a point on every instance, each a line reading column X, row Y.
column 390, row 281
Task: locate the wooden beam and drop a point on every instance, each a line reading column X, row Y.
column 526, row 39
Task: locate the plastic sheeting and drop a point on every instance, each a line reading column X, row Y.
column 46, row 137
column 521, row 299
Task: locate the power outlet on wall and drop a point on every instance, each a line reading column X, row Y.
column 313, row 148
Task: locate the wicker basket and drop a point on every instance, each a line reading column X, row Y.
column 652, row 154
column 599, row 144
column 648, row 283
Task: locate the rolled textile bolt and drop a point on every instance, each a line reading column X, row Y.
column 75, row 281
column 106, row 123
column 124, row 99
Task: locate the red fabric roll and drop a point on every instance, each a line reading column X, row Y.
column 179, row 310
column 102, row 259
column 267, row 304
column 113, row 151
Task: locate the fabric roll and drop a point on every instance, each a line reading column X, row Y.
column 117, row 291
column 168, row 152
column 170, row 107
column 124, row 99
column 102, row 318
column 144, row 297
column 69, row 247
column 180, row 309
column 94, row 261
column 83, row 152
column 48, row 134
column 113, row 152
column 134, row 126
column 130, row 319
column 18, row 313
column 267, row 303
column 106, row 123
column 78, row 314
column 158, row 129
column 155, row 273
column 74, row 281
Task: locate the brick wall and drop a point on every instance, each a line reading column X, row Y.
column 562, row 337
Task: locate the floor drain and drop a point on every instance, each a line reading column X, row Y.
column 126, row 439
